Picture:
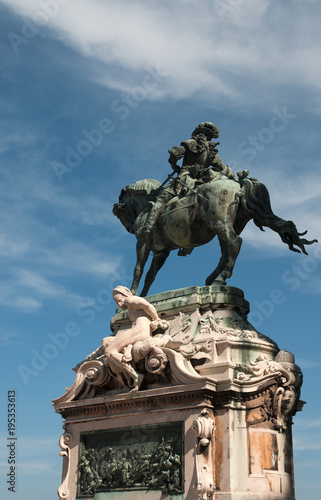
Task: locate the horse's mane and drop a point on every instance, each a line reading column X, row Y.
column 145, row 185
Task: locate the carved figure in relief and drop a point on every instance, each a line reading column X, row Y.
column 144, row 348
column 90, row 479
column 157, row 467
column 145, row 320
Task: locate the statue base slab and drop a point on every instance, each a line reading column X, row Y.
column 211, row 417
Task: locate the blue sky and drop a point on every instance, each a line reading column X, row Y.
column 144, row 74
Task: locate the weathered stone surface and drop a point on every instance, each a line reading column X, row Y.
column 230, row 388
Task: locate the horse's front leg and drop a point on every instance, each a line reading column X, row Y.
column 157, row 262
column 142, row 252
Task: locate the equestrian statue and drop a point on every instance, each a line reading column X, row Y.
column 200, row 199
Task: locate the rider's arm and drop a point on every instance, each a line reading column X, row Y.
column 175, row 154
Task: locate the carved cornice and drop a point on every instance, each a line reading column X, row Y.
column 178, row 397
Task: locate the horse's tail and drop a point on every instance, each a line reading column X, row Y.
column 256, row 202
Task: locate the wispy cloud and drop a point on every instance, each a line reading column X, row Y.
column 44, row 287
column 295, row 198
column 307, row 364
column 9, row 338
column 10, row 297
column 218, row 45
column 307, row 423
column 27, row 290
column 37, row 254
column 307, row 465
column 307, row 442
column 35, row 454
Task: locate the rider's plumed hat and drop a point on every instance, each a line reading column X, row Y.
column 207, row 128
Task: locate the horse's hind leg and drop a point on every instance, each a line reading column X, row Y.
column 157, row 262
column 234, row 246
column 230, row 243
column 221, row 265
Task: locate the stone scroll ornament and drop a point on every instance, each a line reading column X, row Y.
column 123, row 360
column 64, row 443
column 204, row 428
column 284, row 393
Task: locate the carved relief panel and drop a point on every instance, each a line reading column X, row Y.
column 133, row 458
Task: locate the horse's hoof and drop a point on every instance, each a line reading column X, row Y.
column 216, row 281
column 219, row 281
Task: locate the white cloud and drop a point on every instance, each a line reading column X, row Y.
column 306, row 423
column 199, row 48
column 38, row 283
column 9, row 338
column 307, row 364
column 11, row 297
column 36, row 467
column 36, row 254
column 296, row 198
column 312, row 286
column 34, row 454
column 307, row 465
column 10, row 248
column 27, row 290
column 307, row 442
column 74, row 256
column 44, row 287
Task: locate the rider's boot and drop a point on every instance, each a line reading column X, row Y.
column 152, row 218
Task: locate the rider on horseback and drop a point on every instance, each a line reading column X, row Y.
column 201, row 163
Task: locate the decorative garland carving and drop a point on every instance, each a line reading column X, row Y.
column 204, row 428
column 64, row 443
column 288, row 378
column 234, row 327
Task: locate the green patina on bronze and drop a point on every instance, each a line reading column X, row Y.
column 204, row 200
column 133, row 458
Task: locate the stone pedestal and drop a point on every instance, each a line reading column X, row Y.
column 211, row 418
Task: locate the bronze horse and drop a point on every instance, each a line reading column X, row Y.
column 219, row 208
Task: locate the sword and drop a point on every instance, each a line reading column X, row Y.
column 155, row 193
column 171, row 176
column 191, row 189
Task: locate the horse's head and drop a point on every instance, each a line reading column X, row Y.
column 133, row 200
